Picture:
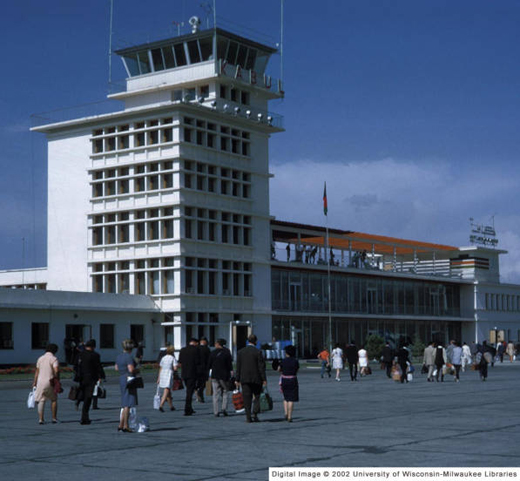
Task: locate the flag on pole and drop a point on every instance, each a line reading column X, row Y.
column 325, row 206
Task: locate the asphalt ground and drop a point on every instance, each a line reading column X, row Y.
column 371, row 423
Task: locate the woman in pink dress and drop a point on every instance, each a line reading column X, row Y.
column 47, row 369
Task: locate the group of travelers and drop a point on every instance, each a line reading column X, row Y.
column 397, row 363
column 202, row 370
column 351, row 356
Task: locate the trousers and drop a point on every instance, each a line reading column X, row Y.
column 251, row 393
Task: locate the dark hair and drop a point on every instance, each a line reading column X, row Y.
column 51, row 348
column 91, row 343
column 252, row 338
column 290, row 350
column 193, row 339
column 203, row 338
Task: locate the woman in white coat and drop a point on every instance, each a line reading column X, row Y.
column 167, row 368
column 466, row 356
column 337, row 360
column 363, row 361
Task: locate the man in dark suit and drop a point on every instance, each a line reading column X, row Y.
column 387, row 357
column 189, row 359
column 351, row 353
column 90, row 371
column 221, row 368
column 203, row 368
column 251, row 376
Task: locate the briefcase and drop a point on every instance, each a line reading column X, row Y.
column 73, row 393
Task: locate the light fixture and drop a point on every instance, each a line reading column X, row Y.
column 248, row 113
column 200, row 100
column 270, row 120
column 214, row 104
column 226, row 107
column 237, row 110
column 260, row 117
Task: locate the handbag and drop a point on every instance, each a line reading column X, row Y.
column 31, row 402
column 266, row 401
column 56, row 385
column 177, row 383
column 424, row 369
column 157, row 399
column 238, row 401
column 73, row 393
column 99, row 391
column 134, row 382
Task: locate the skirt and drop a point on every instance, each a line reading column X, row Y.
column 128, row 396
column 290, row 389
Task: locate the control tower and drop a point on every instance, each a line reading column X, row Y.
column 169, row 197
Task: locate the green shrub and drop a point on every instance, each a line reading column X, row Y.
column 374, row 345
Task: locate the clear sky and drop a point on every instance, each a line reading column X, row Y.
column 409, row 109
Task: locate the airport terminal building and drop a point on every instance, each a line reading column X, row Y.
column 159, row 226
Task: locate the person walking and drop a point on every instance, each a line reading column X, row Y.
column 47, row 369
column 467, row 358
column 440, row 361
column 289, row 381
column 189, row 360
column 387, row 357
column 324, row 357
column 456, row 359
column 167, row 369
column 90, row 372
column 126, row 366
column 220, row 369
column 403, row 359
column 429, row 360
column 510, row 349
column 363, row 361
column 482, row 362
column 204, row 353
column 351, row 353
column 251, row 377
column 337, row 360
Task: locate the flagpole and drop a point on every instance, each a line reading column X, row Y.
column 327, row 259
column 328, row 284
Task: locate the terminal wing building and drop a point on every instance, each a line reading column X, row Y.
column 159, row 230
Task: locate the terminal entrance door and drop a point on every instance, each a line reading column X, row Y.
column 239, row 334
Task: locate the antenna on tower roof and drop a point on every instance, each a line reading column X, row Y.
column 110, row 43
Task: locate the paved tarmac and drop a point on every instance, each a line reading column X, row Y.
column 371, row 423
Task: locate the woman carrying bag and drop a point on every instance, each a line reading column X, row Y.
column 47, row 371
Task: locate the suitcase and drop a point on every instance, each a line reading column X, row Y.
column 238, row 401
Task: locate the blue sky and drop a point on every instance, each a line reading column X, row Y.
column 409, row 109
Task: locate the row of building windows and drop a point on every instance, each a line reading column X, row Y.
column 216, row 226
column 215, row 136
column 218, row 180
column 40, row 335
column 161, row 131
column 301, row 291
column 135, row 179
column 157, row 277
column 128, row 136
column 137, row 226
column 202, row 277
column 150, row 276
column 503, row 302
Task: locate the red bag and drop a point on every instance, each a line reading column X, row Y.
column 238, row 400
column 177, row 383
column 56, row 385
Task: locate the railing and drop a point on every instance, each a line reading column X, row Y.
column 341, row 259
column 76, row 112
